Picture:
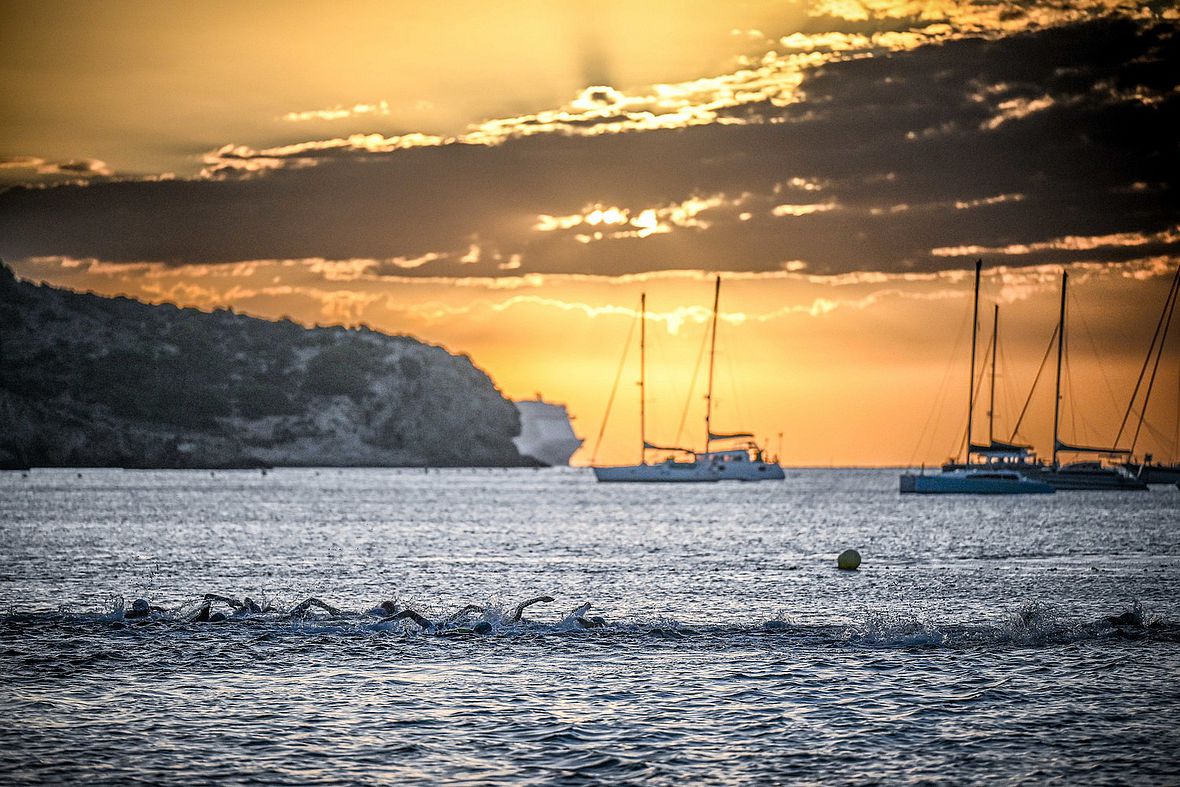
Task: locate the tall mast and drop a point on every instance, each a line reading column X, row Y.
column 991, row 404
column 643, row 378
column 1169, row 303
column 712, row 348
column 1060, row 350
column 971, row 382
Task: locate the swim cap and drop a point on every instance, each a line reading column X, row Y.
column 140, row 605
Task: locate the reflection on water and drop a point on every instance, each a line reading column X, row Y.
column 1008, row 638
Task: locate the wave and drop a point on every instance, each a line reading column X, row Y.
column 1033, row 624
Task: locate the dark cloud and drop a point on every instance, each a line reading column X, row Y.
column 1068, row 119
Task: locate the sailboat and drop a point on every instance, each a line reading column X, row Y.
column 746, row 463
column 988, row 478
column 1088, row 475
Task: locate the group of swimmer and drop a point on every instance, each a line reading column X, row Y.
column 387, row 612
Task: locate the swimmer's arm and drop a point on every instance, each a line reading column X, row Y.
column 314, row 602
column 412, row 615
column 233, row 602
column 200, row 614
column 519, row 611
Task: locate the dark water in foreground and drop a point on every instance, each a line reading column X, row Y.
column 974, row 643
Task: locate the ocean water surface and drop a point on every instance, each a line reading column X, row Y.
column 1024, row 639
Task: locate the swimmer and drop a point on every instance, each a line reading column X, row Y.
column 579, row 616
column 446, row 627
column 141, row 608
column 300, row 609
column 246, row 606
column 385, row 609
column 205, row 614
column 1125, row 619
column 515, row 617
column 409, row 614
column 520, row 608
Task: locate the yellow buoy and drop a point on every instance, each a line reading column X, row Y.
column 849, row 560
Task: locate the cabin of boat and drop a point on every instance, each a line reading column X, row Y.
column 744, row 464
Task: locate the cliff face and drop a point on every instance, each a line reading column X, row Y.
column 93, row 381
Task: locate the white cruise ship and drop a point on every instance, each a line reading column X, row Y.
column 545, row 432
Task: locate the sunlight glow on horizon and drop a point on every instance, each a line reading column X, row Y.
column 504, row 180
column 840, row 382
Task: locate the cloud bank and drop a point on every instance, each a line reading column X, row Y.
column 1045, row 138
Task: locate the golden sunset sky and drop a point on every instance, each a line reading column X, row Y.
column 505, row 179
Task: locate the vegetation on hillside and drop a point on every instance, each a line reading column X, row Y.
column 88, row 380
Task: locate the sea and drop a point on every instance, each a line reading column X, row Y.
column 1027, row 639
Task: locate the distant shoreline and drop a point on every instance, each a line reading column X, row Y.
column 249, row 468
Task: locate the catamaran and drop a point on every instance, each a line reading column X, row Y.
column 1087, row 475
column 744, row 463
column 978, row 480
column 983, row 478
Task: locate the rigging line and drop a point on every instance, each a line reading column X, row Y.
column 1176, row 428
column 712, row 361
column 657, row 355
column 1150, row 349
column 696, row 369
column 991, row 404
column 737, row 402
column 1094, row 348
column 978, row 389
column 1006, row 380
column 939, row 397
column 643, row 378
column 1154, row 369
column 1036, row 380
column 614, row 389
column 1073, row 410
column 1155, row 432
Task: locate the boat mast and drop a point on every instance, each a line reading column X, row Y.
column 1164, row 321
column 712, row 348
column 643, row 378
column 971, row 382
column 1155, row 368
column 991, row 403
column 1060, row 350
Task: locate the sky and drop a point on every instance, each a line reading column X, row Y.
column 506, row 179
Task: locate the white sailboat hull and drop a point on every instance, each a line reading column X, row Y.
column 719, row 466
column 664, row 472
